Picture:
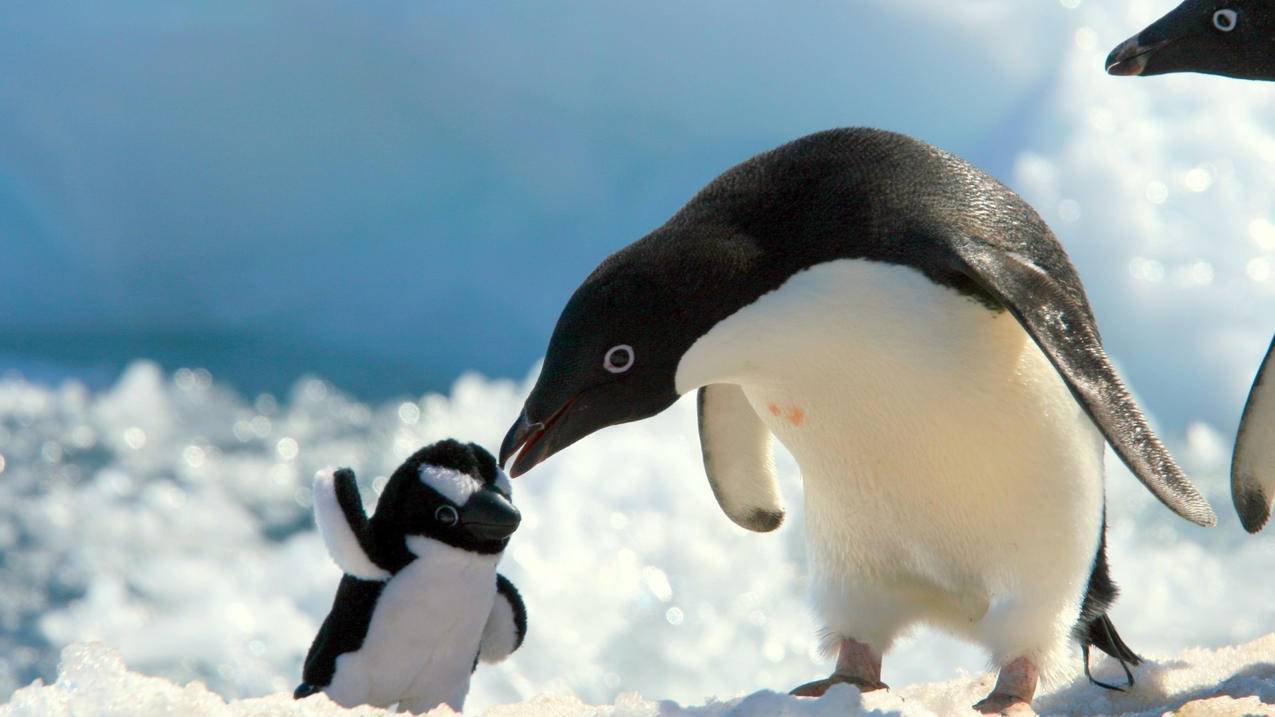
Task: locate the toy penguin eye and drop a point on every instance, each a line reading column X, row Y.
column 1225, row 20
column 618, row 359
column 447, row 515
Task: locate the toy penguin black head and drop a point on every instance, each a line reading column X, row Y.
column 1215, row 37
column 451, row 492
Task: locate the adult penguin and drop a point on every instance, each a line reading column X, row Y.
column 1231, row 38
column 913, row 333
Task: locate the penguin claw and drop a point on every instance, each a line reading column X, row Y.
column 819, row 687
column 999, row 703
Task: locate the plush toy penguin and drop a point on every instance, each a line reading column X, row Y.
column 421, row 602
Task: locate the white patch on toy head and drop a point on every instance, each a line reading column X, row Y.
column 503, row 485
column 451, row 483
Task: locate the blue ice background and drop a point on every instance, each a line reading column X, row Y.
column 388, row 194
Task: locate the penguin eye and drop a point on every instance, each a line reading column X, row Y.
column 447, row 515
column 1225, row 20
column 618, row 359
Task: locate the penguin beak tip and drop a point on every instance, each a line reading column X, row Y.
column 521, row 436
column 1128, row 59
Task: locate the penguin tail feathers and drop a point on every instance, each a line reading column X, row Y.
column 1102, row 635
column 304, row 690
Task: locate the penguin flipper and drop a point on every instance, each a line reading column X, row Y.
column 1253, row 463
column 506, row 625
column 1064, row 330
column 339, row 514
column 738, row 459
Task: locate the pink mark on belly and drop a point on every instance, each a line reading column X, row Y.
column 795, row 415
column 774, row 409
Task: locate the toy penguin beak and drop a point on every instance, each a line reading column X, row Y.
column 490, row 516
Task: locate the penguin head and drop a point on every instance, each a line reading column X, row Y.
column 611, row 359
column 451, row 492
column 615, row 352
column 1215, row 37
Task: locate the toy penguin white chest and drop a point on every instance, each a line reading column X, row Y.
column 948, row 471
column 424, row 634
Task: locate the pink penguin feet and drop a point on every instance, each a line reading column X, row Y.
column 857, row 664
column 1015, row 687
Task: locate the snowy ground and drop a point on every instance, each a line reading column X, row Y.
column 93, row 681
column 168, row 518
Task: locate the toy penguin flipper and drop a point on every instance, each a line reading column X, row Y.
column 506, row 625
column 1062, row 326
column 1253, row 463
column 343, row 631
column 339, row 514
column 737, row 455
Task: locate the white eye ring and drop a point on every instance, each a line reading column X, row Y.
column 624, row 354
column 1225, row 20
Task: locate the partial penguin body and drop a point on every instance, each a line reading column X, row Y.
column 421, row 602
column 950, row 476
column 1253, row 462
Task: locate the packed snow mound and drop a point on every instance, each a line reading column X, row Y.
column 93, row 681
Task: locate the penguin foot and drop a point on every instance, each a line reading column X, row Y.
column 1015, row 687
column 819, row 687
column 857, row 664
column 999, row 703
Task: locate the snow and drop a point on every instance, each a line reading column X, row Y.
column 169, row 519
column 93, row 681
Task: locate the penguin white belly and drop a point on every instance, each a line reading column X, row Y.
column 950, row 476
column 424, row 634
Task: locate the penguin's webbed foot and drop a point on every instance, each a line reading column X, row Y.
column 819, row 687
column 857, row 664
column 1015, row 687
column 999, row 703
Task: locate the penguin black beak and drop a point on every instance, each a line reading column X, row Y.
column 573, row 416
column 1130, row 57
column 488, row 515
column 528, row 436
column 1181, row 41
column 521, row 434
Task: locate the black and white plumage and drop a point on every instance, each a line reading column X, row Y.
column 1253, row 462
column 914, row 334
column 420, row 603
column 1232, row 38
